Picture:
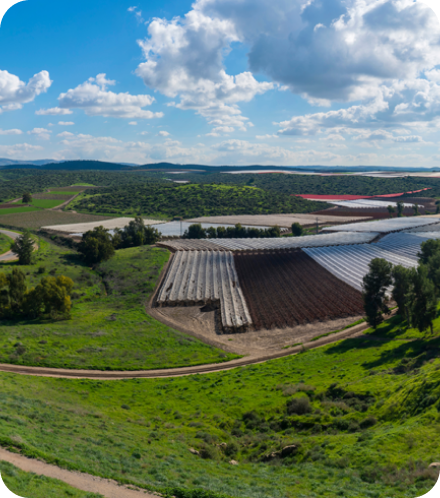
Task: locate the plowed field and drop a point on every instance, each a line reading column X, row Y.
column 292, row 289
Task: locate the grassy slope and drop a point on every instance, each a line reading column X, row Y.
column 30, row 485
column 141, row 430
column 5, row 243
column 110, row 332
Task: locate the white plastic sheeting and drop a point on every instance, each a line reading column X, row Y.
column 432, row 228
column 350, row 263
column 385, row 226
column 366, row 203
column 404, row 244
column 328, row 239
column 204, row 277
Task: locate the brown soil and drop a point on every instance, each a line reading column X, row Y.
column 85, row 482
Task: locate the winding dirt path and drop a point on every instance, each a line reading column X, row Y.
column 64, row 373
column 85, row 482
column 9, row 256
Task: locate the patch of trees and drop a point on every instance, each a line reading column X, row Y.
column 50, row 297
column 189, row 201
column 416, row 291
column 23, row 247
column 196, row 231
column 99, row 244
column 27, row 198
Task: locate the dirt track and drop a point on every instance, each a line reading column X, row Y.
column 9, row 256
column 85, row 482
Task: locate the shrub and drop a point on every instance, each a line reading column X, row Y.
column 299, row 406
column 368, row 422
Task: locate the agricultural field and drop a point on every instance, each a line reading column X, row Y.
column 108, row 223
column 108, row 329
column 36, row 219
column 17, row 210
column 284, row 290
column 47, row 203
column 188, row 201
column 362, row 414
column 206, row 277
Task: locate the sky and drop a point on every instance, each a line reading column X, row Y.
column 221, row 82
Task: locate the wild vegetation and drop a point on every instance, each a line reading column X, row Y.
column 357, row 418
column 196, row 231
column 189, row 201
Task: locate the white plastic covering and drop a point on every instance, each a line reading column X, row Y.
column 204, row 277
column 350, row 263
column 328, row 239
column 385, row 226
column 366, row 203
column 404, row 244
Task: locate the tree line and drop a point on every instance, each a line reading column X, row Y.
column 196, row 231
column 416, row 291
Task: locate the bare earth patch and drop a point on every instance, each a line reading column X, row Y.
column 110, row 224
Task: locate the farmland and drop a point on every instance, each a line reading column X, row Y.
column 34, row 219
column 282, row 290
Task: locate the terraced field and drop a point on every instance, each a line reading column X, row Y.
column 204, row 277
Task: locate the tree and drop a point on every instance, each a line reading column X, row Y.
column 27, row 198
column 428, row 249
column 400, row 207
column 375, row 284
column 437, row 209
column 195, row 232
column 403, row 279
column 424, row 300
column 135, row 234
column 55, row 294
column 297, row 230
column 416, row 209
column 391, row 210
column 96, row 246
column 23, row 247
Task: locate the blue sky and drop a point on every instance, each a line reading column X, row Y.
column 279, row 82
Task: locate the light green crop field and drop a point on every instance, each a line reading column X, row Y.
column 47, row 203
column 30, row 485
column 5, row 243
column 17, row 210
column 109, row 329
column 368, row 426
column 65, row 192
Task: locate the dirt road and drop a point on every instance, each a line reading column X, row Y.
column 85, row 482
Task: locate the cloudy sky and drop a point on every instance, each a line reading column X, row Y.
column 282, row 82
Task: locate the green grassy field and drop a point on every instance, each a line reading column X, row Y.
column 30, row 485
column 109, row 329
column 65, row 192
column 5, row 243
column 17, row 210
column 47, row 203
column 370, row 429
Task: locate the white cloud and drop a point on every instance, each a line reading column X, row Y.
column 93, row 97
column 137, row 13
column 66, row 123
column 133, row 123
column 14, row 92
column 40, row 133
column 54, row 111
column 65, row 134
column 10, row 132
column 20, row 151
column 163, row 133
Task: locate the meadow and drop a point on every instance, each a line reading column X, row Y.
column 40, row 218
column 29, row 485
column 5, row 243
column 108, row 329
column 362, row 415
column 18, row 210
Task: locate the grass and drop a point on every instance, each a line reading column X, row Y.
column 357, row 322
column 28, row 484
column 371, row 430
column 46, row 203
column 17, row 210
column 5, row 243
column 67, row 193
column 109, row 329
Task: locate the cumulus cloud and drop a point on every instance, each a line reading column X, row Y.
column 94, row 99
column 14, row 92
column 163, row 133
column 133, row 123
column 20, row 151
column 66, row 123
column 40, row 133
column 10, row 132
column 65, row 134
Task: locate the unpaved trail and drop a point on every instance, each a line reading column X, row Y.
column 85, row 482
column 9, row 256
column 64, row 373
